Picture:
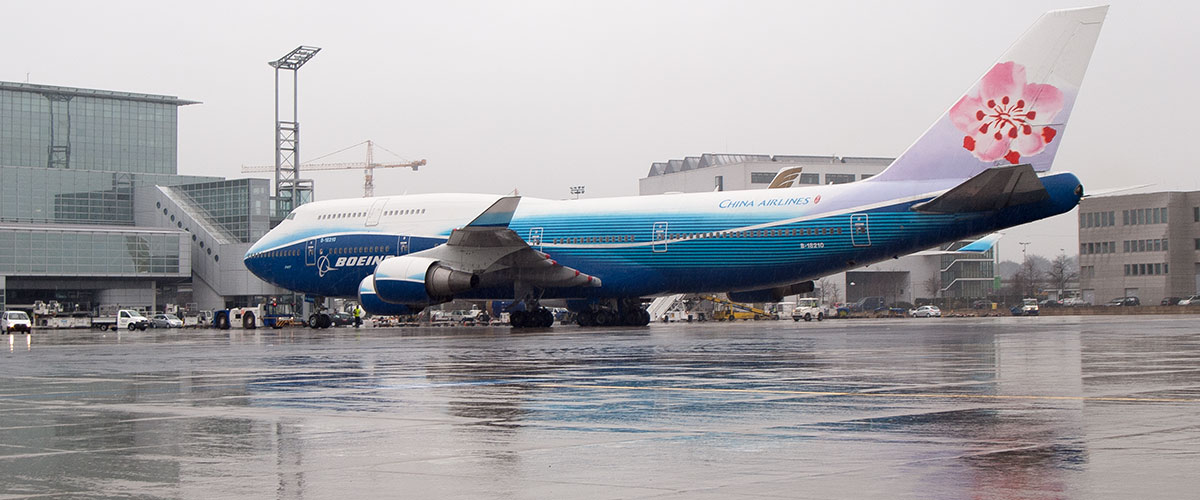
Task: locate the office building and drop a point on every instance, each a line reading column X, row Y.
column 80, row 171
column 1139, row 245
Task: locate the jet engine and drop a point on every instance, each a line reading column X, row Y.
column 369, row 300
column 420, row 281
column 771, row 294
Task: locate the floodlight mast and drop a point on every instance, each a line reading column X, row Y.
column 290, row 190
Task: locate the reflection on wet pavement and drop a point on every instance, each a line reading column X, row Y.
column 956, row 408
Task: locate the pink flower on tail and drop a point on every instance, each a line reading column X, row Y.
column 999, row 115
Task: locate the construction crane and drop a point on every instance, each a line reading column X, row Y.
column 368, row 166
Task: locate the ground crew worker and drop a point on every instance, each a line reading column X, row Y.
column 357, row 316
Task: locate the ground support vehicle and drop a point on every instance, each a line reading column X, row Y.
column 808, row 309
column 249, row 318
column 728, row 310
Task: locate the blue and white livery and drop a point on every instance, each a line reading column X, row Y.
column 983, row 166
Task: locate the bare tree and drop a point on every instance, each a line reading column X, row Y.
column 829, row 289
column 1061, row 272
column 933, row 285
column 1027, row 280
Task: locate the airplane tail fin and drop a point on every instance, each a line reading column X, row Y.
column 1017, row 112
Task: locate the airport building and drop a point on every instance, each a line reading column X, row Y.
column 1139, row 245
column 940, row 273
column 94, row 212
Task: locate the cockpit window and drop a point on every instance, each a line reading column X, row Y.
column 290, row 216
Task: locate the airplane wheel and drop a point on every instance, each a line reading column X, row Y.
column 517, row 319
column 604, row 318
column 546, row 318
column 645, row 317
column 586, row 318
column 631, row 317
column 325, row 321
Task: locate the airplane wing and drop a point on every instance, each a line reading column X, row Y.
column 488, row 248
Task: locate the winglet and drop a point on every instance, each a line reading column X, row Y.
column 499, row 214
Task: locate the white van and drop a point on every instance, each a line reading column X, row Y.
column 15, row 320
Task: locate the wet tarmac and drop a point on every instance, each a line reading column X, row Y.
column 1062, row 407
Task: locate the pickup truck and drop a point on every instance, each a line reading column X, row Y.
column 124, row 319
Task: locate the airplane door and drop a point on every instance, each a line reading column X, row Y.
column 535, row 237
column 402, row 246
column 659, row 237
column 860, row 231
column 310, row 253
column 376, row 212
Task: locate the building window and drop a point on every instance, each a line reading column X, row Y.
column 761, row 177
column 810, row 178
column 838, row 178
column 1195, row 214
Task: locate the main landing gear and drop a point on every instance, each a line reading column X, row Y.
column 319, row 319
column 624, row 312
column 539, row 317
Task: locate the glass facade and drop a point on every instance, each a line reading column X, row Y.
column 42, row 196
column 66, row 128
column 240, row 206
column 968, row 275
column 91, row 252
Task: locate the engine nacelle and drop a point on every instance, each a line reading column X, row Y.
column 771, row 294
column 370, row 301
column 420, row 281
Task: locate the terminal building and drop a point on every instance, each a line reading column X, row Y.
column 941, row 273
column 1139, row 245
column 93, row 210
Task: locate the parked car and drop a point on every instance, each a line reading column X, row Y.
column 15, row 321
column 1195, row 299
column 342, row 319
column 1050, row 303
column 1074, row 302
column 867, row 304
column 1125, row 301
column 165, row 321
column 1170, row 301
column 926, row 312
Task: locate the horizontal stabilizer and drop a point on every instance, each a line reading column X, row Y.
column 992, row 189
column 1106, row 192
column 982, row 244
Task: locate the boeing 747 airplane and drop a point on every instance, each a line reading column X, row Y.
column 983, row 166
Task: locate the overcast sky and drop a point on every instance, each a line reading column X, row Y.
column 541, row 96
